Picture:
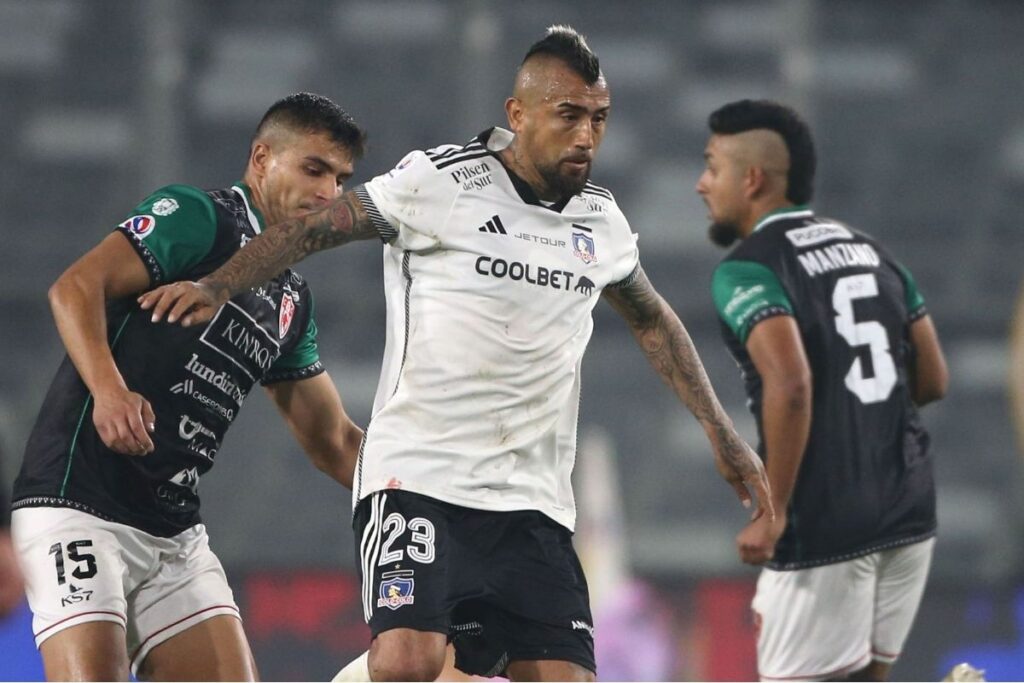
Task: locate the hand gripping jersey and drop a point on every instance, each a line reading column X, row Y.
column 489, row 298
column 865, row 483
column 195, row 378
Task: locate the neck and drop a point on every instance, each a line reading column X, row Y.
column 258, row 200
column 760, row 209
column 513, row 159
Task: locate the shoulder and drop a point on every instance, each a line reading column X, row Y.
column 600, row 204
column 444, row 156
column 169, row 198
column 598, row 191
column 179, row 203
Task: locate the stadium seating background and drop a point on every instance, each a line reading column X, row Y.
column 917, row 111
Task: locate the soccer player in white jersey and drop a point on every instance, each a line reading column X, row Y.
column 495, row 254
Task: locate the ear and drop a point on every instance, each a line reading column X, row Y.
column 515, row 112
column 259, row 158
column 755, row 182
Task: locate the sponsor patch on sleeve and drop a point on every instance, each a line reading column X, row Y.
column 140, row 225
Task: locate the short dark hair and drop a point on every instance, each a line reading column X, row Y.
column 564, row 43
column 744, row 115
column 311, row 113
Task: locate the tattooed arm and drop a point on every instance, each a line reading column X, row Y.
column 276, row 248
column 668, row 347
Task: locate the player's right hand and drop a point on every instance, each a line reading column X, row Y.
column 756, row 542
column 193, row 302
column 124, row 421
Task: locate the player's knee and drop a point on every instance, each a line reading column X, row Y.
column 875, row 671
column 406, row 667
column 406, row 660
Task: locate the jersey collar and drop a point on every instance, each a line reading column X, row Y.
column 255, row 217
column 797, row 211
column 496, row 139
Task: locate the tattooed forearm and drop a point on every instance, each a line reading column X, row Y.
column 668, row 347
column 279, row 246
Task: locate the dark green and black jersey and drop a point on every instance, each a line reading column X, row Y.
column 195, row 378
column 866, row 479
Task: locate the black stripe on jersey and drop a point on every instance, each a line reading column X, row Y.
column 358, row 483
column 408, row 293
column 590, row 188
column 455, row 149
column 581, row 227
column 384, row 229
column 462, row 157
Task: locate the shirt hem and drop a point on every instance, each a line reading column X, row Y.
column 851, row 555
column 566, row 520
column 58, row 502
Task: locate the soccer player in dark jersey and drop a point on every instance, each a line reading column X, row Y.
column 837, row 353
column 496, row 254
column 106, row 512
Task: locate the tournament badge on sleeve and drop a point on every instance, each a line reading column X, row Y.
column 396, row 589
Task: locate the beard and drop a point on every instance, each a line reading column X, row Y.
column 723, row 234
column 563, row 184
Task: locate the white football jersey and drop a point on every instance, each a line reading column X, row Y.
column 489, row 298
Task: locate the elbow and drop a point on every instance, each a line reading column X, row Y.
column 69, row 291
column 337, row 459
column 57, row 293
column 794, row 391
column 931, row 381
column 929, row 392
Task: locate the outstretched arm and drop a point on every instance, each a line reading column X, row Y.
column 668, row 347
column 313, row 411
column 279, row 246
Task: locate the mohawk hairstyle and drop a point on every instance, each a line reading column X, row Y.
column 744, row 115
column 564, row 43
column 311, row 113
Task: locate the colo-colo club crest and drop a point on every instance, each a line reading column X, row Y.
column 396, row 591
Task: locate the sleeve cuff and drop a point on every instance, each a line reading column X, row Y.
column 628, row 280
column 386, row 231
column 292, row 374
column 917, row 314
column 156, row 271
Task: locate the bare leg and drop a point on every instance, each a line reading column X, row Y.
column 548, row 670
column 213, row 650
column 93, row 651
column 405, row 654
column 875, row 671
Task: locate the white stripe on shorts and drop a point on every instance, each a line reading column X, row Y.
column 369, row 550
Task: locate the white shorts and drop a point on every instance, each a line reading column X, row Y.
column 826, row 622
column 80, row 568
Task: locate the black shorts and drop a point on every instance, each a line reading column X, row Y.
column 504, row 586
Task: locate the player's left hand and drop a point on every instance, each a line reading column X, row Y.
column 191, row 302
column 742, row 468
column 756, row 542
